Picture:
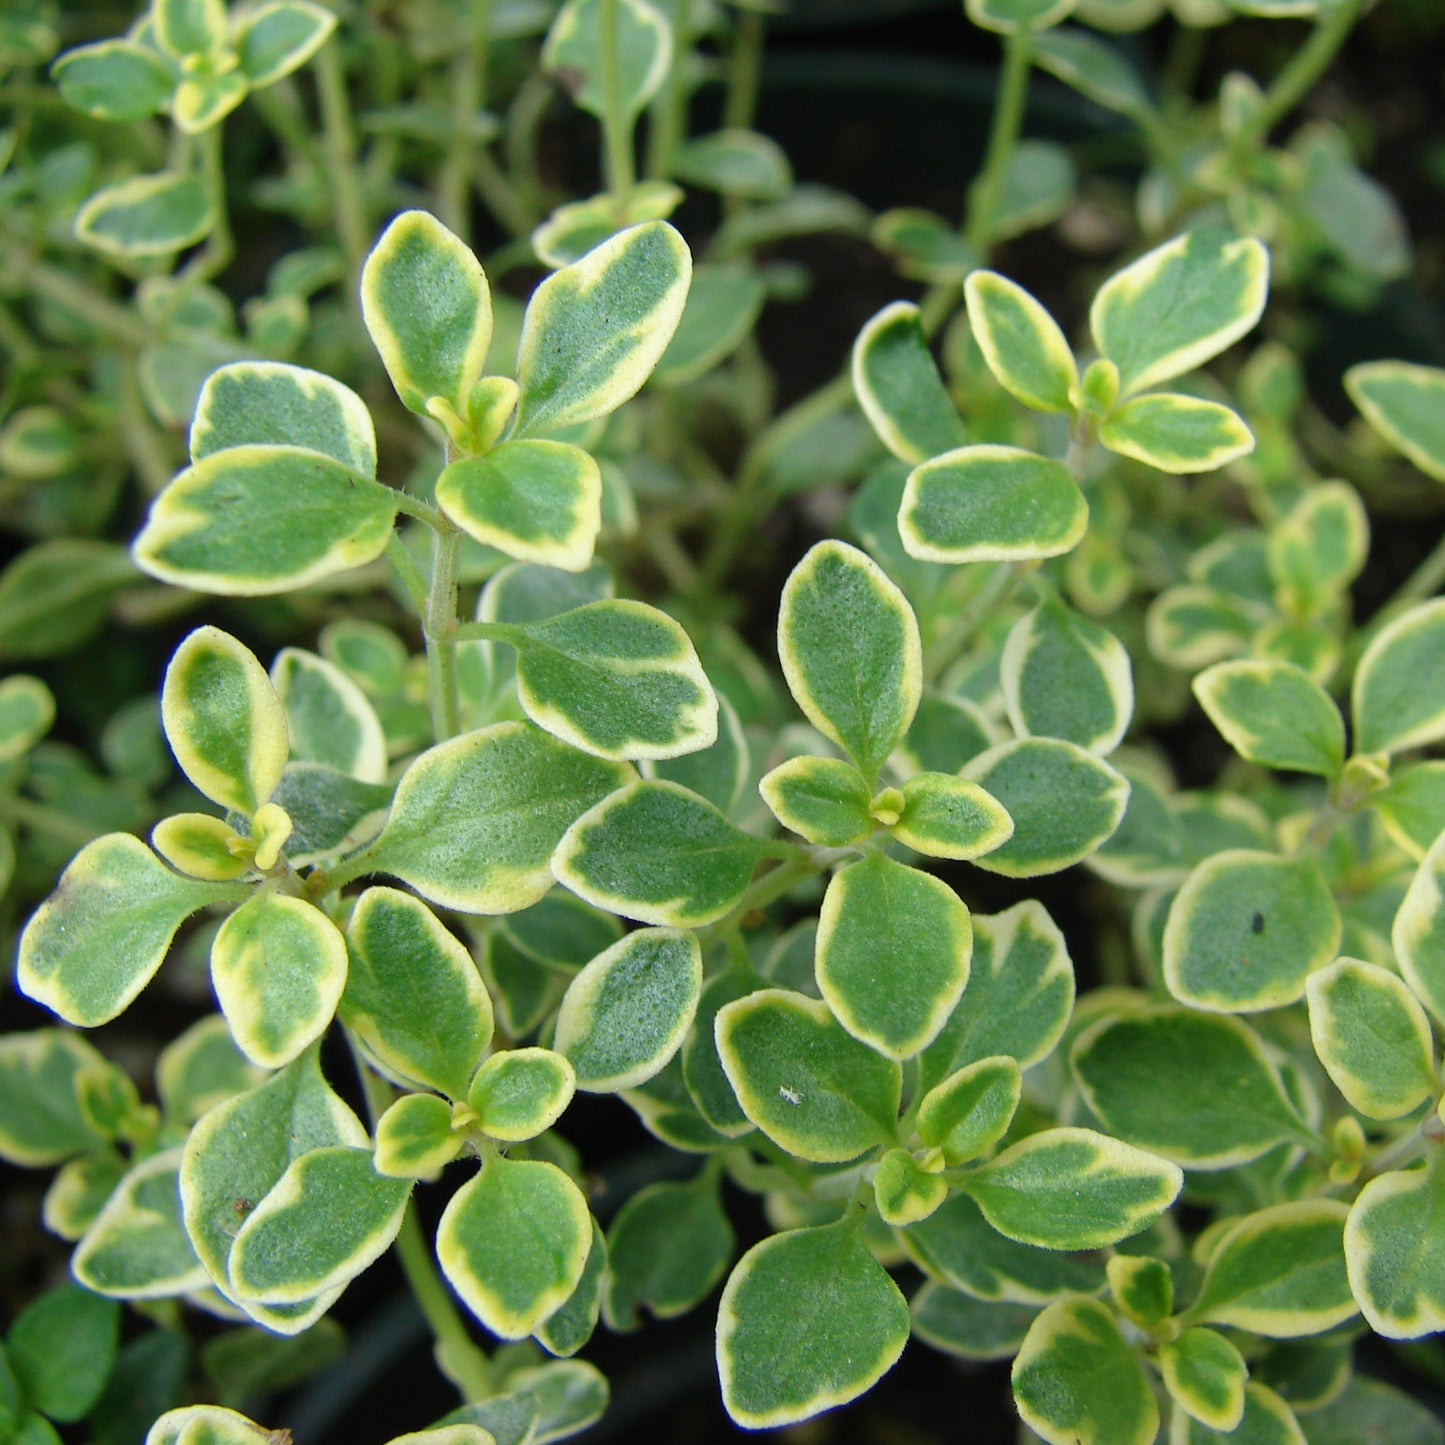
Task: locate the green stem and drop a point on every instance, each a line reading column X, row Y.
column 280, row 107
column 469, row 98
column 1299, row 75
column 1008, row 119
column 501, row 197
column 338, row 138
column 405, row 567
column 147, row 449
column 800, row 863
column 965, row 624
column 40, row 819
column 524, row 122
column 441, row 645
column 412, row 506
column 745, row 71
column 74, row 295
column 220, row 246
column 616, row 127
column 669, row 112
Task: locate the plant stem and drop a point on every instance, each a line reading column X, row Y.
column 469, row 98
column 146, row 448
column 1008, row 118
column 40, row 819
column 1301, row 72
column 966, row 622
column 338, row 137
column 669, row 112
column 220, row 247
column 74, row 295
column 799, row 864
column 405, row 567
column 616, row 126
column 745, row 71
column 441, row 645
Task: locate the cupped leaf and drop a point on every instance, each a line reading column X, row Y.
column 1279, row 1272
column 270, row 403
column 1021, row 343
column 1141, row 1288
column 991, row 504
column 537, row 501
column 1205, row 1374
column 667, row 1248
column 1397, row 699
column 892, row 954
column 328, row 718
column 824, row 799
column 1265, row 1419
column 413, row 995
column 1274, row 713
column 427, row 306
column 948, row 817
column 1077, row 1382
column 1064, row 803
column 573, row 52
column 415, row 1138
column 278, row 965
column 898, row 386
column 223, row 720
column 202, row 845
column 116, row 80
column 723, row 305
column 96, row 942
column 147, row 216
column 968, row 1113
column 27, row 709
column 476, row 819
column 1073, row 1189
column 1176, row 434
column 594, row 330
column 327, row 1218
column 547, row 1402
column 1418, row 934
column 904, row 1191
column 43, row 1122
column 655, row 852
column 255, row 520
column 1373, row 1038
column 565, row 1331
column 626, row 1014
column 1196, row 1088
column 616, row 678
column 1394, row 1251
column 850, row 650
column 520, row 1092
column 1064, row 676
column 1246, row 930
column 808, row 1320
column 1404, row 404
column 1178, row 305
column 279, row 37
column 807, row 1084
column 513, row 1242
column 137, row 1248
column 206, row 1425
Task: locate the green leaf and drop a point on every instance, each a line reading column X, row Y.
column 255, row 520
column 55, row 595
column 893, row 953
column 809, row 1086
column 415, row 1138
column 1064, row 676
column 903, row 1191
column 947, row 817
column 1196, row 1088
column 593, row 331
column 573, row 53
column 277, row 38
column 268, row 403
column 513, row 1242
column 1266, row 1419
column 189, row 27
column 96, row 942
column 808, row 1320
column 1418, row 934
column 327, row 1218
column 42, row 1122
column 330, row 812
column 202, row 101
column 1093, row 67
column 1372, row 1037
column 971, row 1329
column 1275, row 714
column 61, row 1348
column 1141, row 1288
column 991, row 504
column 1279, row 1272
column 1064, row 803
column 27, row 709
column 1019, row 997
column 850, row 650
column 626, row 1014
column 561, row 931
column 823, row 799
column 1246, row 930
column 667, row 1248
column 1191, row 626
column 136, row 1248
column 413, row 995
column 702, row 1072
column 76, row 1196
column 523, row 993
column 538, row 501
column 1038, row 185
column 476, row 819
column 223, row 720
column 146, row 216
column 1073, row 1189
column 244, row 1363
column 655, row 852
column 958, row 1246
column 1177, row 434
column 328, row 718
column 548, row 1402
column 519, row 1093
column 567, row 1330
column 206, row 1425
column 922, row 245
column 1394, row 698
column 116, row 80
column 278, row 965
column 616, row 678
column 1320, row 545
column 735, row 162
column 1021, row 343
column 1179, row 305
column 428, row 309
column 1205, row 1377
column 1076, row 1381
column 1394, row 1249
column 723, row 305
column 1403, row 403
column 1007, row 17
column 1369, row 1408
column 898, row 386
column 969, row 1112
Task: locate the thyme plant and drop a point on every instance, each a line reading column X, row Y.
column 514, row 834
